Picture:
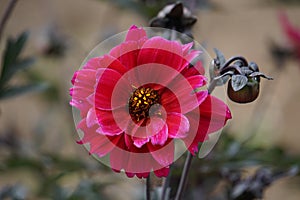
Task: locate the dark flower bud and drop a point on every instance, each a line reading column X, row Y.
column 242, row 90
column 175, row 16
column 243, row 87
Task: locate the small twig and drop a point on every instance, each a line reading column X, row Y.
column 6, row 15
column 148, row 188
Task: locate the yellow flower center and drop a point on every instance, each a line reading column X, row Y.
column 141, row 101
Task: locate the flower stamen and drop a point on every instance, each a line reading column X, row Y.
column 141, row 101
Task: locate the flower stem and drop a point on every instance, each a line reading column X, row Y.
column 184, row 175
column 166, row 183
column 212, row 86
column 189, row 158
column 148, row 188
column 235, row 58
column 6, row 15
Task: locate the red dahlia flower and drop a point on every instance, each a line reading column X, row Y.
column 141, row 98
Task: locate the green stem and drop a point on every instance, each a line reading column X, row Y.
column 189, row 158
column 166, row 183
column 184, row 175
column 148, row 188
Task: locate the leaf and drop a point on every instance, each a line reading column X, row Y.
column 238, row 82
column 13, row 68
column 215, row 68
column 18, row 90
column 11, row 61
column 220, row 56
column 254, row 74
column 13, row 50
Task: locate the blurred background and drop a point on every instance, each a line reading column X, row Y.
column 39, row 157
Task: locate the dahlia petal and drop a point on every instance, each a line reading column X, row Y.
column 186, row 48
column 163, row 155
column 113, row 122
column 81, row 93
column 156, row 73
column 126, row 53
column 156, row 124
column 81, row 124
column 142, row 175
column 201, row 96
column 178, row 125
column 71, row 91
column 190, row 57
column 110, row 83
column 196, row 69
column 92, row 63
column 161, row 51
column 139, row 142
column 136, row 130
column 161, row 137
column 85, row 78
column 129, row 175
column 74, row 77
column 83, row 87
column 82, row 105
column 91, row 99
column 108, row 61
column 183, row 88
column 131, row 162
column 163, row 44
column 91, row 118
column 102, row 146
column 135, row 33
column 99, row 130
column 119, row 160
column 210, row 117
column 214, row 111
column 163, row 172
column 199, row 67
column 128, row 141
column 99, row 144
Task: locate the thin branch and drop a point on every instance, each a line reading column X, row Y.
column 6, row 15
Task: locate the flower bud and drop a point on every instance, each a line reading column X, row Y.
column 244, row 77
column 247, row 94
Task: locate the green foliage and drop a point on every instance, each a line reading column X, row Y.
column 13, row 63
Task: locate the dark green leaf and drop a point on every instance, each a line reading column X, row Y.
column 13, row 68
column 13, row 50
column 17, row 90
